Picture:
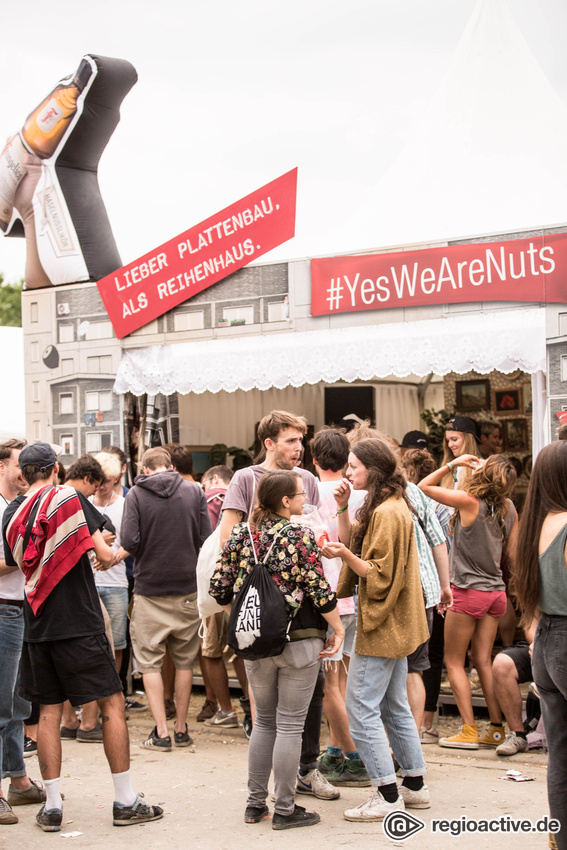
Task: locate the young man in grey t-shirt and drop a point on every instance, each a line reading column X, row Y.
column 281, row 435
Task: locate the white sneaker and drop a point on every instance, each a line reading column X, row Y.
column 315, row 784
column 429, row 736
column 376, row 808
column 415, row 799
column 511, row 745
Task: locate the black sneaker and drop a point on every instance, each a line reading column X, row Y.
column 133, row 705
column 50, row 820
column 154, row 742
column 299, row 817
column 140, row 812
column 254, row 814
column 30, row 747
column 182, row 739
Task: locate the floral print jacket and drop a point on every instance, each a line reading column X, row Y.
column 294, row 563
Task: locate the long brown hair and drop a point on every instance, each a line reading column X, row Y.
column 384, row 480
column 272, row 488
column 547, row 493
column 493, row 482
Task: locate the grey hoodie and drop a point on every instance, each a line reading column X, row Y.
column 164, row 524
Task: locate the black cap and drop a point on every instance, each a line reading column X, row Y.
column 41, row 455
column 415, row 440
column 464, row 424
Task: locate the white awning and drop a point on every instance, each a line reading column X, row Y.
column 506, row 340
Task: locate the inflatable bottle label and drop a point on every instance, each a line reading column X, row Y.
column 12, row 172
column 47, row 124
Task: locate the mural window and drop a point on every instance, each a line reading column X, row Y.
column 66, row 332
column 68, row 443
column 66, row 403
column 35, row 391
column 150, row 328
column 192, row 321
column 564, row 367
column 98, row 330
column 276, row 312
column 34, row 313
column 235, row 313
column 97, row 441
column 102, row 364
column 101, row 400
column 34, row 352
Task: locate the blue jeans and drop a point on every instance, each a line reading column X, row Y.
column 377, row 697
column 13, row 708
column 549, row 664
column 282, row 687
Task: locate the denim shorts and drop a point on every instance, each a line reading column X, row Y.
column 115, row 600
column 347, row 646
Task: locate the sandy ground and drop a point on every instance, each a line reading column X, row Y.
column 203, row 792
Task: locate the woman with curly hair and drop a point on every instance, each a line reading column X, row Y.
column 485, row 521
column 540, row 579
column 282, row 685
column 382, row 561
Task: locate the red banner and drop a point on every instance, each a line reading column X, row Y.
column 533, row 269
column 155, row 283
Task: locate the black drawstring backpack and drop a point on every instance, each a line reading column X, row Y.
column 259, row 623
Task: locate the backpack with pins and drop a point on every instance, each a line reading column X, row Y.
column 259, row 623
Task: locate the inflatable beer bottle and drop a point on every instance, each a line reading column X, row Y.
column 46, row 126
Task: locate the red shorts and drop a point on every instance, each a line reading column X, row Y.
column 478, row 603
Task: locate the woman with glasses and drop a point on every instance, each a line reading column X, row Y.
column 282, row 685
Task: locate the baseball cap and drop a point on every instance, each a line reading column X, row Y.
column 464, row 424
column 38, row 454
column 415, row 440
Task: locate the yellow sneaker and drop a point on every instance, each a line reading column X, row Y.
column 493, row 737
column 465, row 739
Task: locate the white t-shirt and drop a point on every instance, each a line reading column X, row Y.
column 116, row 575
column 12, row 584
column 327, row 510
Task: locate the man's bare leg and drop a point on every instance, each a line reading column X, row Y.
column 183, row 685
column 49, row 740
column 153, row 685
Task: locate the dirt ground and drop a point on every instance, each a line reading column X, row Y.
column 203, row 792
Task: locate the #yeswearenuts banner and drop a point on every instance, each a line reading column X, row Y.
column 533, row 269
column 160, row 280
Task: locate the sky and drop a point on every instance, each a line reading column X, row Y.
column 233, row 94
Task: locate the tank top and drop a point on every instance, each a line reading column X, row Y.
column 477, row 550
column 553, row 577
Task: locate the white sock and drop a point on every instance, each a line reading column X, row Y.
column 123, row 791
column 53, row 795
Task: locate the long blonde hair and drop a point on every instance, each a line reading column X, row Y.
column 470, row 447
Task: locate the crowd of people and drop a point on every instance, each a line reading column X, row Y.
column 390, row 568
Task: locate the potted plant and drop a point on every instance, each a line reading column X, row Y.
column 237, row 322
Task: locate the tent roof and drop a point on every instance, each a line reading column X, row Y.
column 500, row 339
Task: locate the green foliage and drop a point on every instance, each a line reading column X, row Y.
column 10, row 304
column 436, row 420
